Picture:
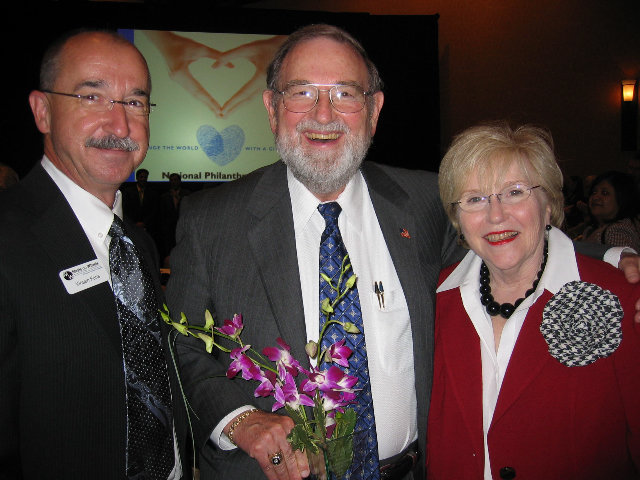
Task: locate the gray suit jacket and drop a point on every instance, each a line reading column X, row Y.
column 62, row 391
column 236, row 253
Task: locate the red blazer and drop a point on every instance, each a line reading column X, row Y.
column 551, row 421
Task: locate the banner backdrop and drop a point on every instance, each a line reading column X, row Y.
column 210, row 123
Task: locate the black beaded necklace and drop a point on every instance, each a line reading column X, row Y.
column 505, row 310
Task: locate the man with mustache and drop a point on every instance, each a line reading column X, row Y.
column 85, row 391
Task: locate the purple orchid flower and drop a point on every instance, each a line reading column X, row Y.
column 332, row 379
column 232, row 327
column 330, row 423
column 288, row 394
column 336, row 401
column 338, row 353
column 267, row 384
column 242, row 363
column 283, row 359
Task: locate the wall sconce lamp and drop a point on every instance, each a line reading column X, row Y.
column 628, row 90
column 629, row 116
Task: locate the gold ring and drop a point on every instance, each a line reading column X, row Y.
column 276, row 459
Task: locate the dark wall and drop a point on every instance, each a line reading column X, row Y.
column 405, row 49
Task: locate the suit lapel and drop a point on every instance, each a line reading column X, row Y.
column 390, row 202
column 527, row 359
column 272, row 242
column 62, row 238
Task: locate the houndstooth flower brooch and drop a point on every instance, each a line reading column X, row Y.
column 582, row 323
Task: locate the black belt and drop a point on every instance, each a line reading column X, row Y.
column 398, row 466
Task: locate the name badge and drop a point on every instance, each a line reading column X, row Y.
column 83, row 276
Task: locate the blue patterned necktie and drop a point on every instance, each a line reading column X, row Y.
column 365, row 464
column 150, row 452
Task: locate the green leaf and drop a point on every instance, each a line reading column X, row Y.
column 325, row 307
column 208, row 341
column 183, row 329
column 350, row 327
column 326, row 278
column 299, row 439
column 183, row 319
column 340, row 447
column 294, row 414
column 164, row 313
column 351, row 282
column 345, row 423
column 340, row 455
column 208, row 320
column 327, row 356
column 311, row 348
column 320, row 417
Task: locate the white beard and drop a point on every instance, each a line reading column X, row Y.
column 322, row 172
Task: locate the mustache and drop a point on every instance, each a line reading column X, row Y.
column 333, row 126
column 112, row 142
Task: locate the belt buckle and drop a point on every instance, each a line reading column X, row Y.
column 400, row 467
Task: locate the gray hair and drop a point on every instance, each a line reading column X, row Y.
column 311, row 32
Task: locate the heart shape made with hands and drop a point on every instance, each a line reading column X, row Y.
column 221, row 147
column 222, row 82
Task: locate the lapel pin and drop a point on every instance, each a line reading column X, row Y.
column 405, row 233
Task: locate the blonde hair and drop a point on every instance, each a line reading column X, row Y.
column 488, row 151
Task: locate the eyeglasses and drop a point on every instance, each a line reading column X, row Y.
column 303, row 98
column 511, row 195
column 99, row 103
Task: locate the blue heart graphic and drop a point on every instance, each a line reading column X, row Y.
column 221, row 147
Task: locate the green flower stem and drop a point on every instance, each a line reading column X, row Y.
column 343, row 270
column 260, row 359
column 322, row 332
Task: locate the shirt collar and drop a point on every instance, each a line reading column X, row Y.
column 305, row 204
column 561, row 266
column 93, row 214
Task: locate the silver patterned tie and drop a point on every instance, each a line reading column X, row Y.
column 150, row 452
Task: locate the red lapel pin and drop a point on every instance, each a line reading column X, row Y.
column 405, row 233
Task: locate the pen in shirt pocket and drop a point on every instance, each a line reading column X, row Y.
column 379, row 291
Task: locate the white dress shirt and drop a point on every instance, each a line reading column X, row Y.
column 96, row 218
column 561, row 268
column 387, row 330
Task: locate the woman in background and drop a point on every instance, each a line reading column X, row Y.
column 537, row 371
column 613, row 210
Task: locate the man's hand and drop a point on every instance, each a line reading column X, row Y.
column 261, row 436
column 630, row 265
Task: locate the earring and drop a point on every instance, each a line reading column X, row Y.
column 462, row 237
column 548, row 227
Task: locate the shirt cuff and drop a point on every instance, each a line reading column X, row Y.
column 612, row 255
column 218, row 437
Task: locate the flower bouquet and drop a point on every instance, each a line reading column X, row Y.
column 327, row 433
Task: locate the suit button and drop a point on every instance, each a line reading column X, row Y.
column 507, row 473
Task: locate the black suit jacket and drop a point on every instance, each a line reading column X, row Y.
column 236, row 253
column 62, row 391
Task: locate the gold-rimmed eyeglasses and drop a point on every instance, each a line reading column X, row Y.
column 302, row 98
column 99, row 102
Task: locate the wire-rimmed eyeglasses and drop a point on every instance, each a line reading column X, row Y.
column 474, row 202
column 98, row 102
column 302, row 98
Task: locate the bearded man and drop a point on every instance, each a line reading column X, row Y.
column 252, row 247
